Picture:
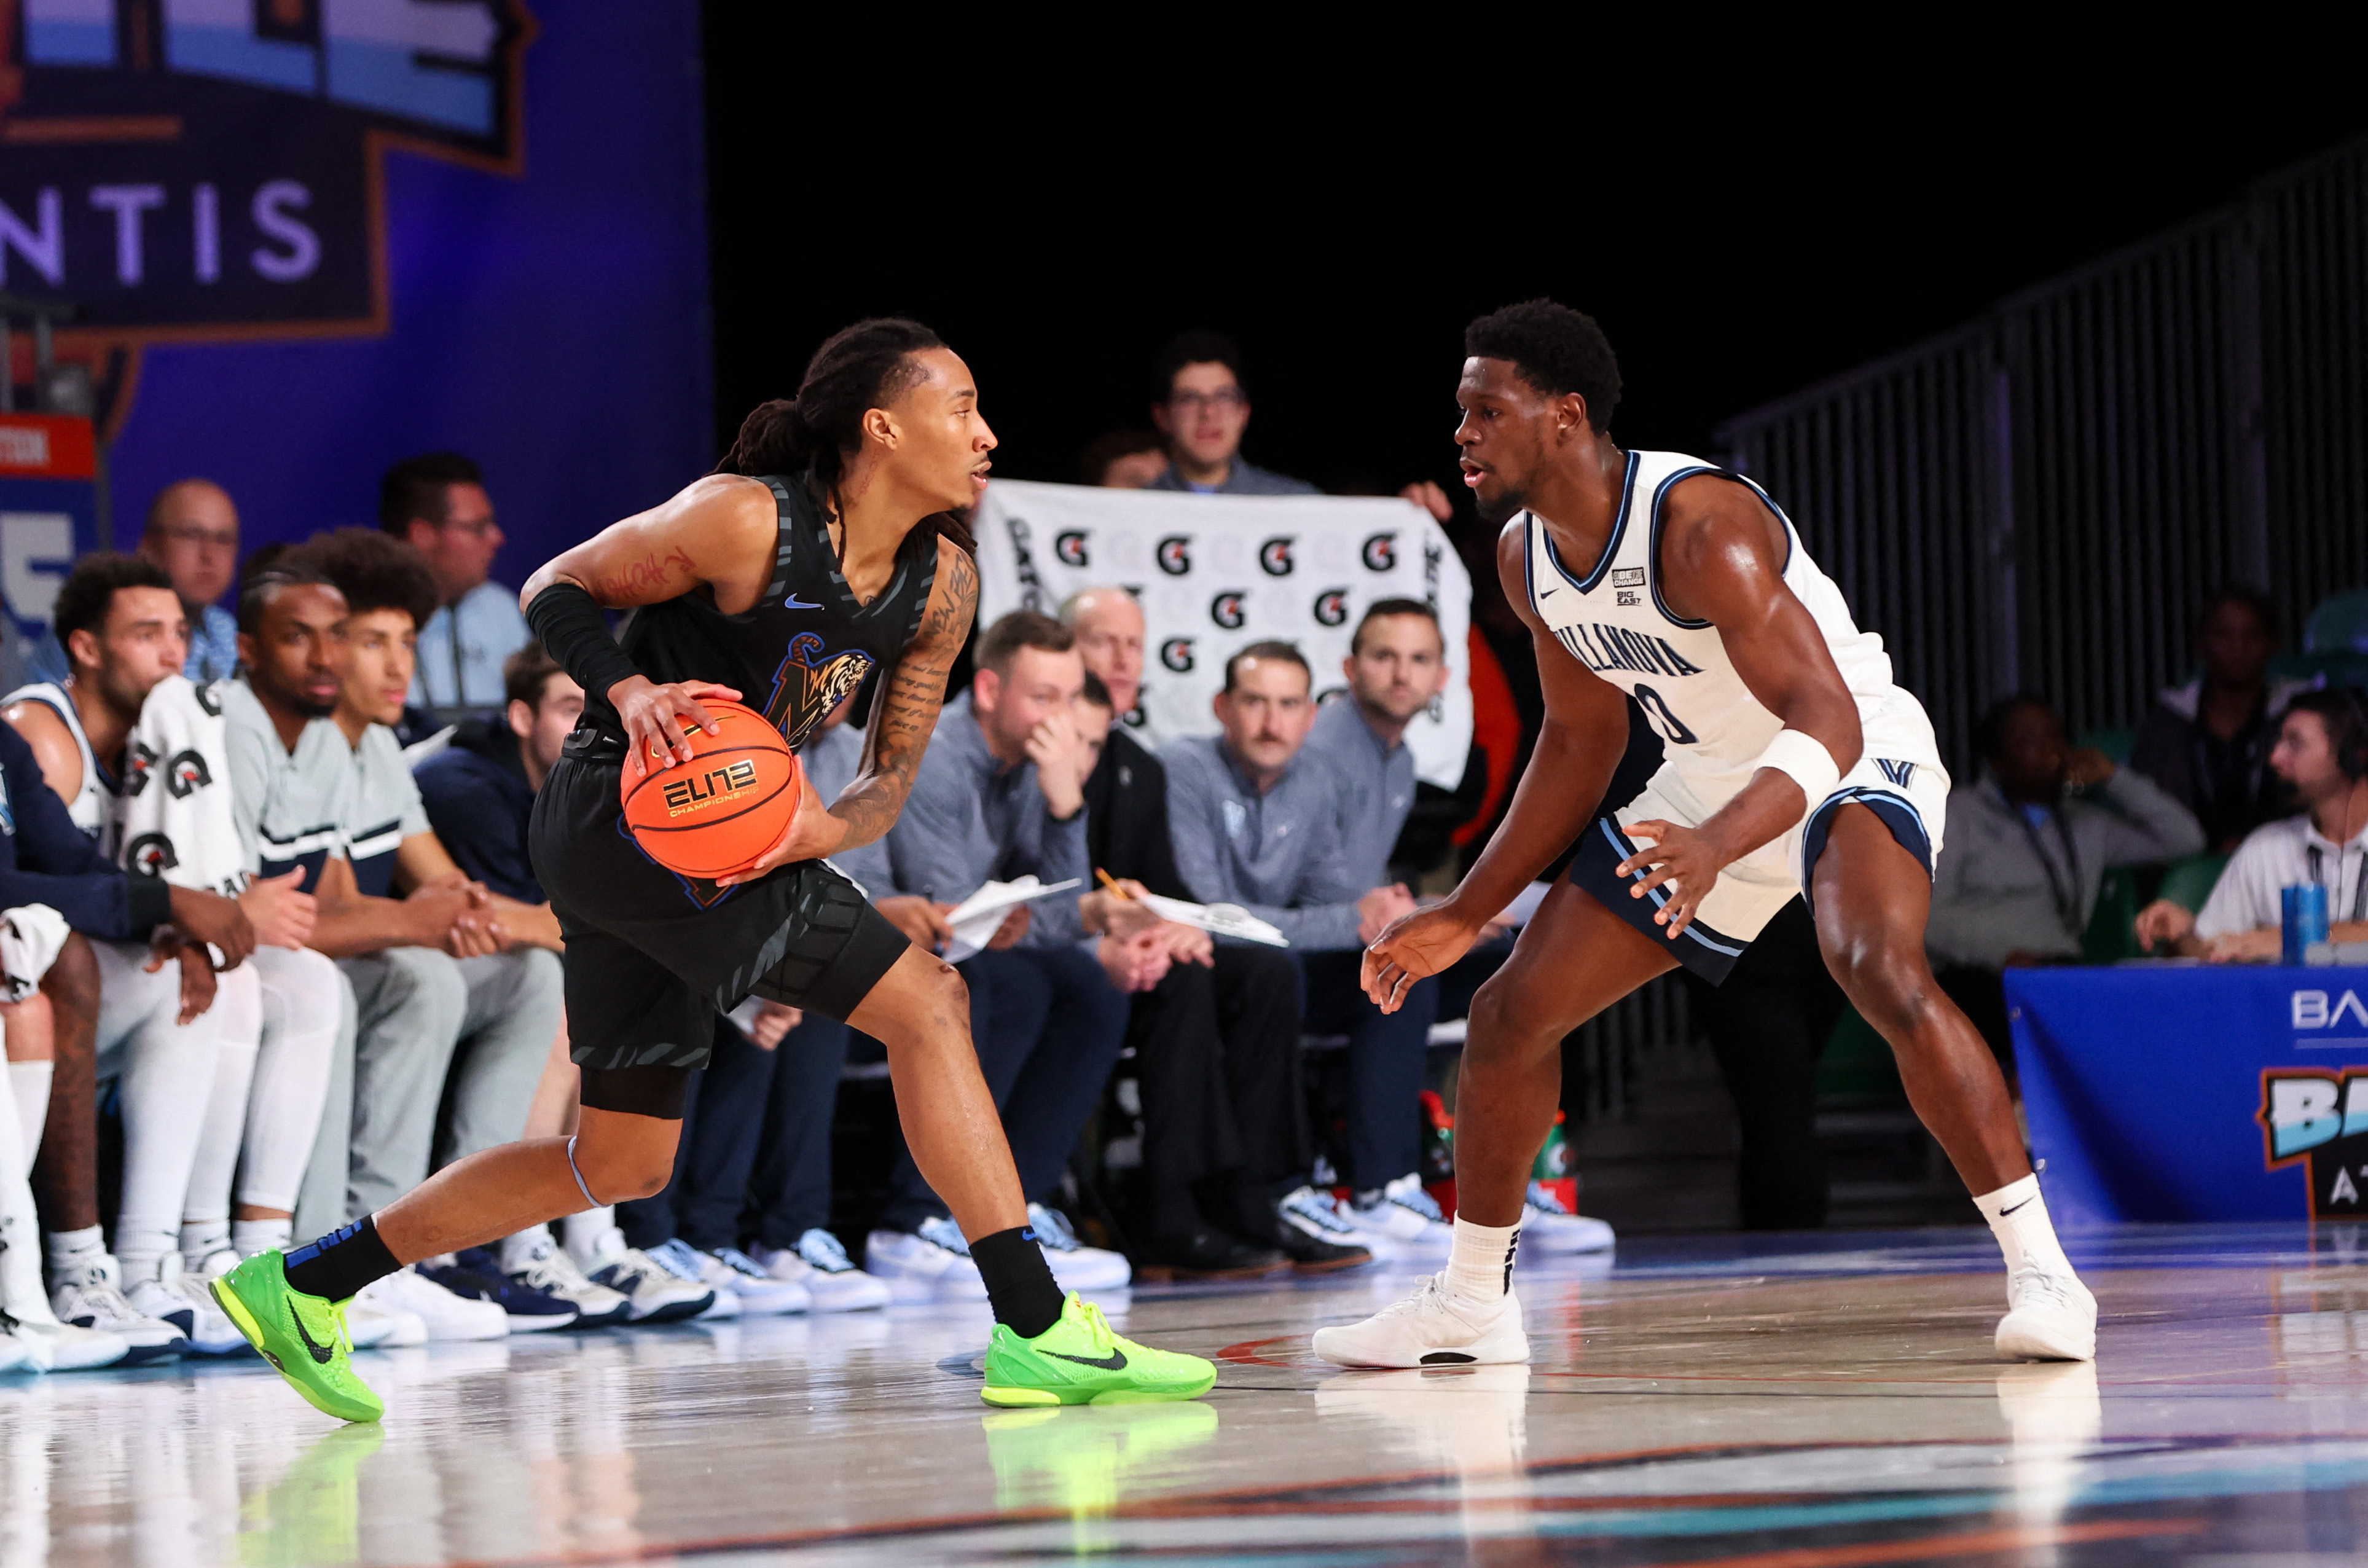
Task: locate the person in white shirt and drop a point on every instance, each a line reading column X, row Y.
column 2322, row 750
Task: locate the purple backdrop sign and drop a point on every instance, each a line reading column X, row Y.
column 307, row 237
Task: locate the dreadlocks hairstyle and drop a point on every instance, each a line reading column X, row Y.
column 867, row 365
column 373, row 571
column 1555, row 348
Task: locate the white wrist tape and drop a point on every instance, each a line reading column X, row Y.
column 1807, row 760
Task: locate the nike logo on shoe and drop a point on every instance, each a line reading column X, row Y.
column 320, row 1352
column 1446, row 1358
column 1113, row 1362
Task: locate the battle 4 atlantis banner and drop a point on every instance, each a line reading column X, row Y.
column 301, row 239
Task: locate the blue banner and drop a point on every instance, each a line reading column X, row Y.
column 2206, row 1093
column 307, row 237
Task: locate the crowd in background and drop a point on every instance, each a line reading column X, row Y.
column 276, row 952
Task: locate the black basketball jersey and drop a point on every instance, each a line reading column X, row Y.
column 796, row 652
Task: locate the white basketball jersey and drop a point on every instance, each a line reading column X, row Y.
column 1610, row 614
column 89, row 808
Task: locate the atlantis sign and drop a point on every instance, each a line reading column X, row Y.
column 212, row 169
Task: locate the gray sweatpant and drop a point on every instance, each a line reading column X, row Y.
column 447, row 1055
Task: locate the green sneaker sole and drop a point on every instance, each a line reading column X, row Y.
column 1011, row 1396
column 326, row 1402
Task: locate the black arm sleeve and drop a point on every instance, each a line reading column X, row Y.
column 576, row 633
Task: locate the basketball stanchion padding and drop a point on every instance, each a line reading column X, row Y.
column 726, row 806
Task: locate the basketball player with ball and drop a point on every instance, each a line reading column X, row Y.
column 684, row 852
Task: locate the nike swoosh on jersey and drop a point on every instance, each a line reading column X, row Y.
column 1113, row 1362
column 792, row 601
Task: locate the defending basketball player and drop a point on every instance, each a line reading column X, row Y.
column 828, row 548
column 1794, row 765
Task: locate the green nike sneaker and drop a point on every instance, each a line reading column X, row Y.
column 1079, row 1361
column 302, row 1335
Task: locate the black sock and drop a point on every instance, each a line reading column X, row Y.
column 340, row 1263
column 1019, row 1284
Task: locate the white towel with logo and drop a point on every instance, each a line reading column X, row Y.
column 171, row 815
column 31, row 936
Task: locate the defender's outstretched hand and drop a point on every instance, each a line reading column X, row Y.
column 653, row 716
column 1413, row 947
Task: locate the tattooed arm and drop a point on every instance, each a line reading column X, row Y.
column 904, row 716
column 718, row 534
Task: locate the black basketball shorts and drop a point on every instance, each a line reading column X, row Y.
column 653, row 956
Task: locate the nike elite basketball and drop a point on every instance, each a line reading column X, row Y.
column 726, row 806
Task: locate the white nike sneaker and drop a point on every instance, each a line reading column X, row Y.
column 820, row 1265
column 1408, row 1215
column 533, row 1259
column 1075, row 1265
column 1429, row 1328
column 1328, row 1220
column 373, row 1327
column 931, row 1263
column 89, row 1297
column 1551, row 1228
column 182, row 1299
column 733, row 1274
column 2050, row 1317
column 53, row 1346
column 446, row 1316
column 652, row 1292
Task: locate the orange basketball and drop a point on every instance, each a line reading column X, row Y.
column 726, row 806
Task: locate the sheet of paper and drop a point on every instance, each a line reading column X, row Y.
column 976, row 919
column 1218, row 919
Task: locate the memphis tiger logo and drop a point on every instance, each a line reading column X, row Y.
column 149, row 855
column 1175, row 554
column 1274, row 557
column 811, row 682
column 1226, row 610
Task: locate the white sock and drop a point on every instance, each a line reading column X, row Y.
column 298, row 994
column 248, row 1237
column 169, row 1075
column 31, row 1083
column 206, row 1201
column 1480, row 1267
column 586, row 1232
column 72, row 1249
column 21, row 1296
column 2017, row 1217
column 200, row 1239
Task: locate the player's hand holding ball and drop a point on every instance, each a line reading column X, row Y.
column 654, row 714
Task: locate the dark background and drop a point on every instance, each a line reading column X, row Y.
column 1736, row 245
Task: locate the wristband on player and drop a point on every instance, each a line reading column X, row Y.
column 575, row 635
column 1805, row 758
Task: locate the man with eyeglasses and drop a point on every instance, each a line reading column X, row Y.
column 1203, row 410
column 436, row 504
column 192, row 533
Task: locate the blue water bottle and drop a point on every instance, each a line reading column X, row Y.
column 2301, row 911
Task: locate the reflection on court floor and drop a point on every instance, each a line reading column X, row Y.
column 1761, row 1403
